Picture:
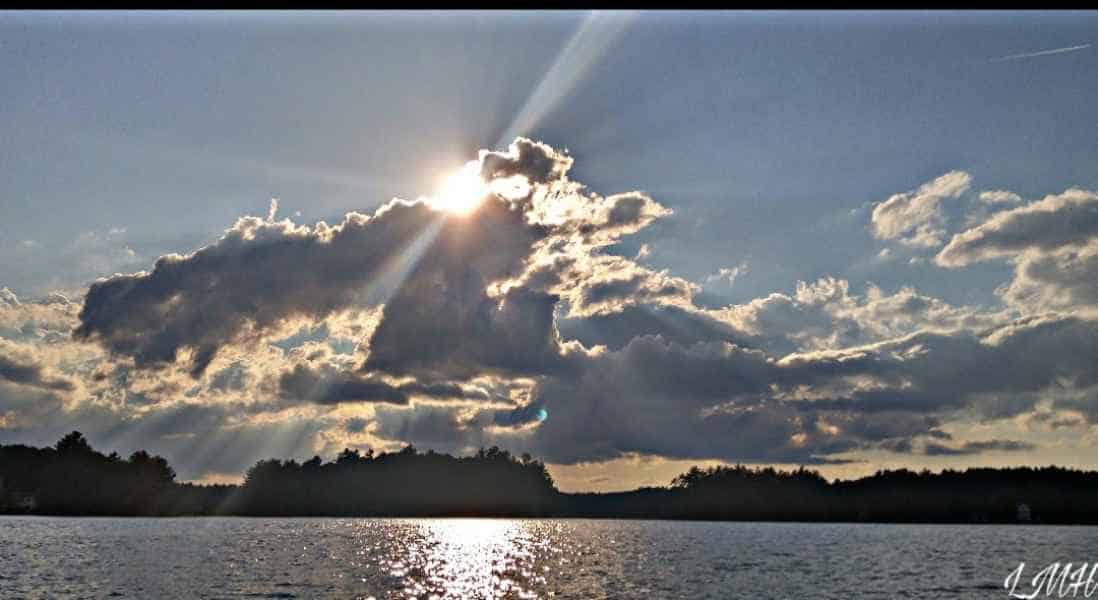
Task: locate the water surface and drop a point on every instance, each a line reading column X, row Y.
column 514, row 558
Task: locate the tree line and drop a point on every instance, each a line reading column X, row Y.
column 72, row 478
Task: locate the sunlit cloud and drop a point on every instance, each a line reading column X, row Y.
column 495, row 312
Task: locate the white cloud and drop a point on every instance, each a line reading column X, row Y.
column 915, row 218
column 728, row 275
column 999, row 197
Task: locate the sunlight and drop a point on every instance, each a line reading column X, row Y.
column 473, row 558
column 462, row 192
column 591, row 41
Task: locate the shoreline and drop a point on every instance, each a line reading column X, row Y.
column 550, row 518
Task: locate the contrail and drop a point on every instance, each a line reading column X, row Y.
column 1041, row 53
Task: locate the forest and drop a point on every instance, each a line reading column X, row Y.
column 72, row 478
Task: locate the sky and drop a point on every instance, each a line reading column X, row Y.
column 626, row 243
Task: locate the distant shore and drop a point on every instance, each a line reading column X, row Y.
column 72, row 479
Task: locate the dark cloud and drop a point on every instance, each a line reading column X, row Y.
column 256, row 277
column 706, row 400
column 651, row 397
column 969, row 448
column 998, row 372
column 24, row 370
column 19, row 372
column 234, row 377
column 431, row 426
column 443, row 324
column 536, row 161
column 628, row 209
column 718, row 400
column 331, row 385
column 355, row 425
column 898, row 445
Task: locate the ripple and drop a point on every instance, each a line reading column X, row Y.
column 388, row 559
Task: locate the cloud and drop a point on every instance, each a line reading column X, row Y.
column 1054, row 420
column 672, row 323
column 612, row 289
column 969, row 448
column 433, row 272
column 256, row 277
column 537, row 162
column 197, row 436
column 1070, row 218
column 512, row 336
column 19, row 366
column 1053, row 244
column 727, row 274
column 1066, row 279
column 48, row 319
column 653, row 397
column 999, row 197
column 645, row 398
column 23, row 407
column 334, row 386
column 996, row 373
column 825, row 315
column 331, row 385
column 915, row 218
column 8, row 298
column 41, row 265
column 705, row 400
column 717, row 399
column 521, row 324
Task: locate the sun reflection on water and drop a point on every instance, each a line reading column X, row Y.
column 463, row 558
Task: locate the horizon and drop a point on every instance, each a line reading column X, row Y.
column 626, row 243
column 478, row 453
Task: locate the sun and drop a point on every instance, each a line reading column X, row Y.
column 462, row 192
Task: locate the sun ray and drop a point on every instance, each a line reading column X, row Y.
column 592, row 39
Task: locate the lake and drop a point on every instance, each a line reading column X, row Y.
column 517, row 558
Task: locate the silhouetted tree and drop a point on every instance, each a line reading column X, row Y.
column 74, row 444
column 73, row 478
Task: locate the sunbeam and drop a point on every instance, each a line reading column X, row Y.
column 397, row 268
column 591, row 41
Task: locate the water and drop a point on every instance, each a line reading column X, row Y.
column 501, row 558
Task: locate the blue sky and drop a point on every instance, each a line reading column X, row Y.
column 770, row 136
column 765, row 127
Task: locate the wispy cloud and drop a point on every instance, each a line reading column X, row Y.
column 1040, row 53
